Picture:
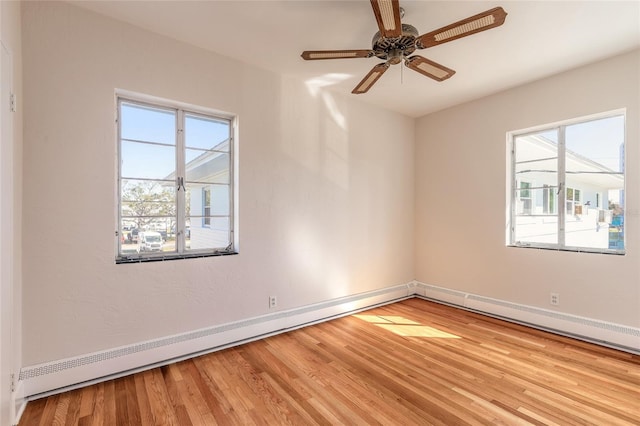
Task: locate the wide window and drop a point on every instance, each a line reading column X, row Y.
column 175, row 182
column 567, row 185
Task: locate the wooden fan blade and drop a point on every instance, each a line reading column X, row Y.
column 429, row 68
column 370, row 79
column 474, row 24
column 388, row 16
column 311, row 55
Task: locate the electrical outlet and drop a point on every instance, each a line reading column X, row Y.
column 555, row 299
column 273, row 302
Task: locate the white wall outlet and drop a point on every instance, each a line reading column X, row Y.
column 555, row 299
column 273, row 302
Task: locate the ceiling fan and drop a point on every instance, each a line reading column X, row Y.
column 396, row 41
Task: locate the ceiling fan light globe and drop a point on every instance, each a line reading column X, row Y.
column 394, row 57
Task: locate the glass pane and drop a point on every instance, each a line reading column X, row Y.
column 523, row 202
column 144, row 202
column 536, row 161
column 206, row 133
column 214, row 236
column 127, row 243
column 549, row 199
column 595, row 171
column 535, row 195
column 155, row 236
column 142, row 160
column 207, row 166
column 219, row 200
column 536, row 229
column 147, row 124
column 207, row 200
column 153, row 241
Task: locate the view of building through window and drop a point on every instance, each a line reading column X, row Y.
column 580, row 166
column 175, row 180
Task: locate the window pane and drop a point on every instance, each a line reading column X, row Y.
column 207, row 166
column 549, row 199
column 595, row 167
column 154, row 242
column 215, row 236
column 206, row 133
column 536, row 161
column 535, row 197
column 537, row 221
column 147, row 124
column 207, row 200
column 128, row 236
column 220, row 200
column 147, row 161
column 148, row 205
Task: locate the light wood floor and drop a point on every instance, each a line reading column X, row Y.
column 413, row 362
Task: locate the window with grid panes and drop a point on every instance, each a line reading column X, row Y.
column 578, row 164
column 175, row 179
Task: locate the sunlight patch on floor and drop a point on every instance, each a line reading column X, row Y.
column 405, row 327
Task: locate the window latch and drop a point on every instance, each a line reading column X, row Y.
column 181, row 183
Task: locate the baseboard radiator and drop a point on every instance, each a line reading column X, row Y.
column 63, row 375
column 609, row 334
column 49, row 378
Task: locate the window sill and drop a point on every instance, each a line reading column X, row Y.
column 173, row 256
column 570, row 249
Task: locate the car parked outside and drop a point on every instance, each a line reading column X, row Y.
column 133, row 235
column 149, row 241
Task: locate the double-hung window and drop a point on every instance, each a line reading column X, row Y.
column 567, row 185
column 175, row 179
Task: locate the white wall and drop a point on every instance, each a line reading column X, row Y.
column 461, row 169
column 326, row 198
column 10, row 205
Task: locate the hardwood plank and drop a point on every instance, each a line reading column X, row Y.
column 96, row 417
column 109, row 412
column 121, row 399
column 34, row 414
column 163, row 410
column 133, row 408
column 49, row 410
column 73, row 411
column 144, row 407
column 87, row 401
column 412, row 362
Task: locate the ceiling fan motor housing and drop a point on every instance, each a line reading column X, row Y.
column 394, row 49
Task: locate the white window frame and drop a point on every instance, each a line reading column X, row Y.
column 181, row 110
column 561, row 198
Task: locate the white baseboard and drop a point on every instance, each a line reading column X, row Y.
column 605, row 333
column 66, row 374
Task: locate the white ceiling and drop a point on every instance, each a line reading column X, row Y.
column 538, row 39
